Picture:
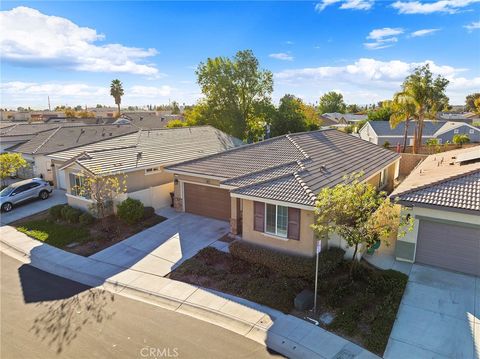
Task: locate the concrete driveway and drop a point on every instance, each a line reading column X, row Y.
column 439, row 316
column 161, row 248
column 32, row 207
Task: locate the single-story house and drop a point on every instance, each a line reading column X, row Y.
column 147, row 119
column 139, row 158
column 442, row 195
column 380, row 132
column 267, row 190
column 337, row 118
column 468, row 117
column 36, row 150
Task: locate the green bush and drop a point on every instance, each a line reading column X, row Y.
column 86, row 218
column 72, row 215
column 64, row 211
column 208, row 255
column 131, row 210
column 55, row 212
column 148, row 212
column 286, row 264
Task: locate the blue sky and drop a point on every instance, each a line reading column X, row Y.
column 71, row 51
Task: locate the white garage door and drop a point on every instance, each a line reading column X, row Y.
column 61, row 183
column 449, row 246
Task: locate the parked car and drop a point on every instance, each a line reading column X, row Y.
column 22, row 191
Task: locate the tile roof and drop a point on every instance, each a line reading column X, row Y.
column 444, row 179
column 461, row 193
column 31, row 129
column 63, row 138
column 148, row 148
column 306, row 162
column 382, row 128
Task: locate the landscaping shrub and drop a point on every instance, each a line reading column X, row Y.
column 86, row 218
column 131, row 210
column 55, row 212
column 148, row 212
column 277, row 293
column 64, row 211
column 72, row 215
column 208, row 255
column 285, row 264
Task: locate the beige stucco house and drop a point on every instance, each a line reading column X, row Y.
column 267, row 190
column 442, row 195
column 138, row 158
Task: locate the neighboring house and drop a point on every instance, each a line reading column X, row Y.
column 443, row 196
column 36, row 150
column 467, row 117
column 139, row 158
column 147, row 120
column 380, row 132
column 267, row 190
column 22, row 132
column 336, row 118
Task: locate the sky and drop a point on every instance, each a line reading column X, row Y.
column 70, row 51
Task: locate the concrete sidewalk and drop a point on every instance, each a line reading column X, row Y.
column 288, row 335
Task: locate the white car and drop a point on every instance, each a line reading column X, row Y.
column 22, row 191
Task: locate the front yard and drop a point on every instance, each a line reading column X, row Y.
column 363, row 305
column 82, row 238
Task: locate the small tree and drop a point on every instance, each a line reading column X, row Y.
column 461, row 139
column 10, row 163
column 102, row 190
column 176, row 123
column 357, row 212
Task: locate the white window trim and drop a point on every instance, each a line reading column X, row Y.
column 276, row 235
column 455, row 131
column 471, row 131
column 152, row 171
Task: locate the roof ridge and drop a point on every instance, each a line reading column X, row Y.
column 264, row 170
column 305, row 187
column 444, row 180
column 54, row 131
column 300, row 149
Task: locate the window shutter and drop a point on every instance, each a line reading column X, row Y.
column 294, row 223
column 258, row 216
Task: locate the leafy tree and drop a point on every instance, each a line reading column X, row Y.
column 353, row 108
column 232, row 89
column 102, row 190
column 477, row 106
column 381, row 113
column 470, row 101
column 311, row 117
column 428, row 95
column 461, row 139
column 176, row 123
column 70, row 112
column 357, row 212
column 332, row 102
column 175, row 108
column 10, row 163
column 290, row 116
column 116, row 91
column 402, row 110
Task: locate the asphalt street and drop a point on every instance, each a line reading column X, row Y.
column 45, row 316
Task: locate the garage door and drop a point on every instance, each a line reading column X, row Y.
column 61, row 179
column 207, row 201
column 449, row 246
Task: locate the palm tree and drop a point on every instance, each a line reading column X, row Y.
column 403, row 110
column 116, row 90
column 427, row 95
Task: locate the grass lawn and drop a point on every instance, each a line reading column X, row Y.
column 53, row 233
column 364, row 305
column 90, row 239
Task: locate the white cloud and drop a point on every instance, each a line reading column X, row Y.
column 418, row 7
column 289, row 42
column 382, row 38
column 18, row 93
column 423, row 32
column 346, row 4
column 367, row 75
column 150, row 91
column 282, row 56
column 473, row 26
column 30, row 37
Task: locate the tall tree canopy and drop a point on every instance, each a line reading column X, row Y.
column 234, row 90
column 290, row 117
column 381, row 113
column 116, row 91
column 402, row 110
column 332, row 102
column 427, row 93
column 470, row 101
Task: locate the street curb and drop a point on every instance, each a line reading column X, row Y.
column 253, row 331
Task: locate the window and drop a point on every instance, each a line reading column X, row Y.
column 77, row 185
column 471, row 131
column 276, row 220
column 383, row 178
column 455, row 131
column 151, row 171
